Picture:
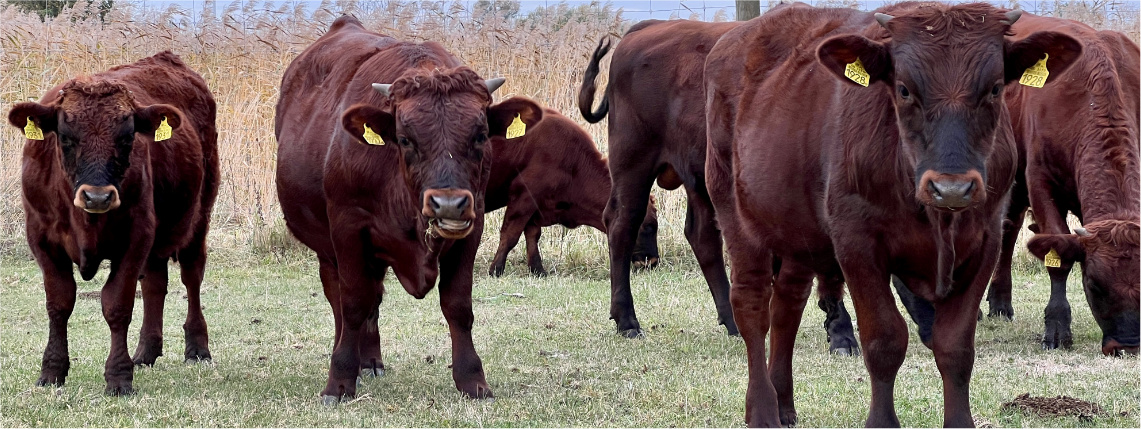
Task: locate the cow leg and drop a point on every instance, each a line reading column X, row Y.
column 369, row 351
column 534, row 259
column 883, row 333
column 920, row 310
column 455, row 301
column 624, row 215
column 790, row 293
column 705, row 238
column 750, row 296
column 358, row 300
column 192, row 262
column 1057, row 333
column 999, row 294
column 59, row 285
column 837, row 321
column 330, row 285
column 154, row 285
column 514, row 222
column 118, row 299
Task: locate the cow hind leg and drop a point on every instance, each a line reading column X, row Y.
column 154, row 285
column 534, row 259
column 192, row 261
column 999, row 294
column 837, row 321
column 705, row 239
column 790, row 294
column 624, row 215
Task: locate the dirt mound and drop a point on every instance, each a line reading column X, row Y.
column 1058, row 406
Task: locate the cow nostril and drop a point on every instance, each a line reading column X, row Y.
column 435, row 202
column 933, row 188
column 462, row 204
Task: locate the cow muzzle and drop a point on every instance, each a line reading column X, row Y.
column 951, row 191
column 450, row 212
column 96, row 199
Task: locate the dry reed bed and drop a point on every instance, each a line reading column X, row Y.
column 242, row 49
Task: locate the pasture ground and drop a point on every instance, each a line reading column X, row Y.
column 549, row 352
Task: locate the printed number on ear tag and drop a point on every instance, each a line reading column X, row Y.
column 1036, row 75
column 163, row 131
column 1052, row 259
column 517, row 128
column 855, row 71
column 371, row 137
column 33, row 132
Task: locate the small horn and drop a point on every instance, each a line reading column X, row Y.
column 494, row 84
column 1081, row 231
column 883, row 18
column 1012, row 17
column 383, row 88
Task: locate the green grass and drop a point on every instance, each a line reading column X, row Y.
column 551, row 356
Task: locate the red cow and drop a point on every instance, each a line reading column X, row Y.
column 1078, row 145
column 657, row 131
column 554, row 175
column 121, row 166
column 382, row 162
column 908, row 176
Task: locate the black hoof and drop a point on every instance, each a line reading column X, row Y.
column 330, row 400
column 49, row 381
column 372, row 372
column 119, row 390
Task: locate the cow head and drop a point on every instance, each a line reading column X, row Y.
column 1108, row 252
column 645, row 254
column 441, row 121
column 95, row 124
column 946, row 67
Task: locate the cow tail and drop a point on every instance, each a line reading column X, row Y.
column 586, row 92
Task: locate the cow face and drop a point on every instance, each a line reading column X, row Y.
column 95, row 124
column 1108, row 252
column 441, row 122
column 946, row 67
column 645, row 254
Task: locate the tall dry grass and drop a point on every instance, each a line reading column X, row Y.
column 242, row 48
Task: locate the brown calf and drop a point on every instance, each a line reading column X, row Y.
column 1078, row 144
column 554, row 175
column 657, row 131
column 98, row 185
column 383, row 159
column 907, row 176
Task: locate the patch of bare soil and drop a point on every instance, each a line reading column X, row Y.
column 1058, row 406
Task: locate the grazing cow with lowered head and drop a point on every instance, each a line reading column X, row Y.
column 554, row 175
column 121, row 166
column 383, row 158
column 909, row 176
column 1078, row 147
column 657, row 131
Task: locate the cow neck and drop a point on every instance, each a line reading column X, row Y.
column 1106, row 169
column 946, row 226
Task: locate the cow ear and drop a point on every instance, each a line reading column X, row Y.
column 837, row 53
column 43, row 116
column 369, row 125
column 502, row 116
column 1063, row 51
column 1066, row 245
column 148, row 119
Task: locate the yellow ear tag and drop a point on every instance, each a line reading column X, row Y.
column 517, row 128
column 163, row 131
column 1036, row 75
column 1052, row 259
column 371, row 137
column 855, row 71
column 32, row 132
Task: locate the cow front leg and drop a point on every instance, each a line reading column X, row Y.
column 514, row 221
column 118, row 298
column 455, row 302
column 534, row 258
column 59, row 285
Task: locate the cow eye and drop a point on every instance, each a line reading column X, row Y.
column 403, row 141
column 996, row 90
column 480, row 138
column 903, row 92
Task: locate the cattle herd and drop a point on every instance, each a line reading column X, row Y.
column 854, row 148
